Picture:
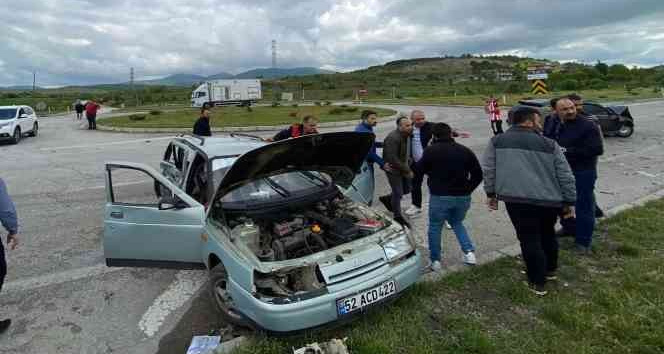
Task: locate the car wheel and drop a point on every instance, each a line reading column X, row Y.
column 35, row 130
column 221, row 297
column 625, row 131
column 17, row 136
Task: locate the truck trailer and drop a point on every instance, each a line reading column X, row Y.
column 226, row 93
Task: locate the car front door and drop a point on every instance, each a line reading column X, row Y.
column 24, row 120
column 362, row 189
column 142, row 229
column 606, row 121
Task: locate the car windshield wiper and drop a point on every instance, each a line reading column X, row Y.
column 313, row 176
column 277, row 187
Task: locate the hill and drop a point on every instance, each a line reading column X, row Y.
column 175, row 80
column 275, row 73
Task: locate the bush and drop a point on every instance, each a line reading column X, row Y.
column 137, row 117
column 351, row 109
column 155, row 112
column 317, row 103
column 292, row 114
column 295, row 105
column 276, row 104
column 344, row 106
column 569, row 84
column 514, row 88
column 249, row 109
column 327, row 103
column 598, row 84
column 336, row 110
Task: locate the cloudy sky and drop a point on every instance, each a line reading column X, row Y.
column 97, row 41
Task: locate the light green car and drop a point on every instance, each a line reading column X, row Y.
column 286, row 247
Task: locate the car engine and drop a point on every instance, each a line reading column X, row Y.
column 291, row 234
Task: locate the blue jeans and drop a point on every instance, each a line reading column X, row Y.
column 585, row 206
column 453, row 210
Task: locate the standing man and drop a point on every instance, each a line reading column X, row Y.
column 531, row 175
column 9, row 222
column 309, row 126
column 396, row 153
column 78, row 107
column 368, row 122
column 453, row 174
column 582, row 143
column 91, row 109
column 202, row 125
column 492, row 108
column 422, row 133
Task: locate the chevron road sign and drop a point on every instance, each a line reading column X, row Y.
column 539, row 87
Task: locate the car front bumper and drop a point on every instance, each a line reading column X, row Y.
column 322, row 310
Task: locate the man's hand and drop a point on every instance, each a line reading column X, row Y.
column 568, row 212
column 269, row 140
column 387, row 167
column 492, row 203
column 12, row 241
column 410, row 175
column 463, row 134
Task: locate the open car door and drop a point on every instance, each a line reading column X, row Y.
column 146, row 227
column 362, row 188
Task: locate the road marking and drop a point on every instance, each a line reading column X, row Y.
column 107, row 144
column 185, row 286
column 57, row 278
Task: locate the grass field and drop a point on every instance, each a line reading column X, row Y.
column 237, row 116
column 609, row 302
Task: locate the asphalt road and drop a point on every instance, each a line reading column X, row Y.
column 63, row 299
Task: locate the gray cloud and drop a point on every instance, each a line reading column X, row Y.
column 96, row 41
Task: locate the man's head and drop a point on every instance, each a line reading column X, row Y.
column 205, row 112
column 565, row 109
column 417, row 118
column 369, row 117
column 441, row 132
column 528, row 117
column 578, row 101
column 309, row 125
column 404, row 125
column 553, row 102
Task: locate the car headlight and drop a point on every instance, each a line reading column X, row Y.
column 2, row 125
column 397, row 247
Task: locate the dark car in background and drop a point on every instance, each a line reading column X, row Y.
column 614, row 120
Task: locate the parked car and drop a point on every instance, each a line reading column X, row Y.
column 16, row 122
column 614, row 120
column 285, row 245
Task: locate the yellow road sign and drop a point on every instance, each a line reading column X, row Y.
column 539, row 87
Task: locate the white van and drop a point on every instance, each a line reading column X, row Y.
column 17, row 121
column 227, row 92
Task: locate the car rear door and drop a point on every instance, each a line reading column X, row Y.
column 139, row 231
column 607, row 121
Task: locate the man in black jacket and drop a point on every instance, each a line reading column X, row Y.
column 396, row 154
column 453, row 173
column 202, row 125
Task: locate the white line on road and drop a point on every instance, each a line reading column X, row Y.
column 57, row 278
column 106, row 144
column 186, row 285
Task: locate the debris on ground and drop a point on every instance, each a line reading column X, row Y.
column 229, row 346
column 203, row 344
column 334, row 346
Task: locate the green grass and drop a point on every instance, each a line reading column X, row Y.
column 237, row 116
column 511, row 99
column 610, row 302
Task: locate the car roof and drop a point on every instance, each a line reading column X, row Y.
column 223, row 145
column 13, row 107
column 540, row 102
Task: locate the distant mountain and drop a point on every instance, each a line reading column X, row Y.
column 275, row 73
column 20, row 88
column 220, row 76
column 175, row 80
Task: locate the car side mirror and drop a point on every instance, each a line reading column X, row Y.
column 171, row 203
column 23, row 116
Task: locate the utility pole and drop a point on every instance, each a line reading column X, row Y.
column 34, row 81
column 131, row 85
column 274, row 66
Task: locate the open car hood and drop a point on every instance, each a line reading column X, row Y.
column 340, row 155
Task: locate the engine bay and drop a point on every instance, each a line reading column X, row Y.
column 293, row 233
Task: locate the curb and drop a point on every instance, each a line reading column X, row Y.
column 259, row 128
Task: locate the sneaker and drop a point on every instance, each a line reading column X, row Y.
column 413, row 211
column 448, row 226
column 551, row 276
column 469, row 258
column 538, row 290
column 402, row 221
column 387, row 201
column 581, row 250
column 436, row 266
column 4, row 325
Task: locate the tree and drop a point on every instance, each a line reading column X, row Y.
column 619, row 72
column 602, row 68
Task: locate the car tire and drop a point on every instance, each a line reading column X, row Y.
column 17, row 136
column 35, row 130
column 625, row 131
column 218, row 282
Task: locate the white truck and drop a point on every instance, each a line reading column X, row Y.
column 227, row 92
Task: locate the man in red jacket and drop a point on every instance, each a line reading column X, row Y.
column 91, row 109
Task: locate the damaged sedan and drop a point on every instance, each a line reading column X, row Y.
column 284, row 233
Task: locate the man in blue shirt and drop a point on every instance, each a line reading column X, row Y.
column 9, row 222
column 369, row 121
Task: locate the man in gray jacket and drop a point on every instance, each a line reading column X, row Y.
column 396, row 153
column 9, row 222
column 531, row 175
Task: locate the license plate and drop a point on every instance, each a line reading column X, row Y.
column 366, row 297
